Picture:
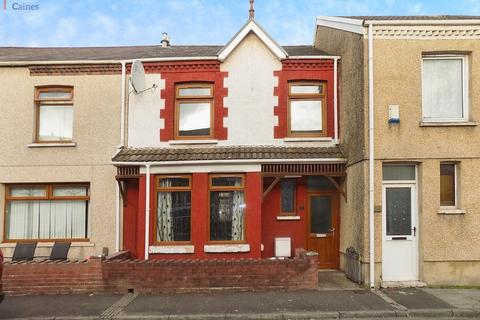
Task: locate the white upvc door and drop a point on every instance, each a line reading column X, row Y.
column 400, row 232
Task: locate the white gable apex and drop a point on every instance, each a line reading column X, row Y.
column 252, row 26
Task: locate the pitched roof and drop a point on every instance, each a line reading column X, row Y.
column 25, row 54
column 252, row 27
column 398, row 18
column 225, row 153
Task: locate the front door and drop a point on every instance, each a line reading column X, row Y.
column 400, row 233
column 323, row 228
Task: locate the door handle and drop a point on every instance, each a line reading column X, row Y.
column 414, row 231
column 332, row 230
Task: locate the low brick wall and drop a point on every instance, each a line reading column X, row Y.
column 160, row 276
column 53, row 277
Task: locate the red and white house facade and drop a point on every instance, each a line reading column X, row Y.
column 233, row 153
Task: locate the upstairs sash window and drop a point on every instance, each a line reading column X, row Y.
column 54, row 114
column 194, row 111
column 444, row 89
column 307, row 109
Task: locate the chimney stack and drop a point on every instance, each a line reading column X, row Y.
column 165, row 41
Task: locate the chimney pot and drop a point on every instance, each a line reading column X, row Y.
column 166, row 40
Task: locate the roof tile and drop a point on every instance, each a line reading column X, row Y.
column 225, row 153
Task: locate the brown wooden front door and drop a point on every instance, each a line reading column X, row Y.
column 323, row 228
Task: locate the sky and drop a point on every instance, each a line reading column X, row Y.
column 141, row 22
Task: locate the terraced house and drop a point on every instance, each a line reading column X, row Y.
column 252, row 149
column 410, row 91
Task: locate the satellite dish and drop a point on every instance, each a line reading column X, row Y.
column 138, row 76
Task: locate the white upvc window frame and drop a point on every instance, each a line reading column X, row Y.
column 465, row 87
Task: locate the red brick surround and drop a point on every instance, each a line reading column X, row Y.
column 160, row 276
column 302, row 69
column 188, row 71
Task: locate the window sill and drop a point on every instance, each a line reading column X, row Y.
column 49, row 244
column 226, row 248
column 51, row 144
column 182, row 249
column 288, row 218
column 182, row 142
column 449, row 124
column 453, row 211
column 306, row 139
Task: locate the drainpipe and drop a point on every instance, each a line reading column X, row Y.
column 335, row 100
column 117, row 218
column 371, row 160
column 122, row 108
column 119, row 147
column 147, row 208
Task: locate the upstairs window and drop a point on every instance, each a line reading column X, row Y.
column 54, row 114
column 307, row 109
column 194, row 111
column 444, row 89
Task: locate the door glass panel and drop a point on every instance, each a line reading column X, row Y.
column 399, row 211
column 320, row 214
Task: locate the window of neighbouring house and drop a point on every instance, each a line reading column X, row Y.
column 307, row 109
column 46, row 212
column 227, row 208
column 174, row 204
column 448, row 185
column 444, row 88
column 54, row 114
column 194, row 111
column 288, row 189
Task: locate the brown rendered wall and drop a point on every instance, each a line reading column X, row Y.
column 96, row 132
column 448, row 254
column 353, row 134
column 448, row 244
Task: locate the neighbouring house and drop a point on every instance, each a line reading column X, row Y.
column 60, row 125
column 422, row 77
column 233, row 152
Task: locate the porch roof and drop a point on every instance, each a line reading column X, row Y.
column 240, row 152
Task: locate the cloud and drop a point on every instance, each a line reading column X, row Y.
column 415, row 8
column 137, row 22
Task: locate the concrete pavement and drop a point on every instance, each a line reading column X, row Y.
column 314, row 304
column 336, row 298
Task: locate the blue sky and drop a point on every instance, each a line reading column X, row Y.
column 141, row 22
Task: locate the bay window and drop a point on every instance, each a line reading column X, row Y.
column 173, row 208
column 227, row 207
column 194, row 111
column 307, row 109
column 46, row 212
column 54, row 114
column 444, row 89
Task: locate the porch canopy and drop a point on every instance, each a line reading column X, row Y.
column 273, row 161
